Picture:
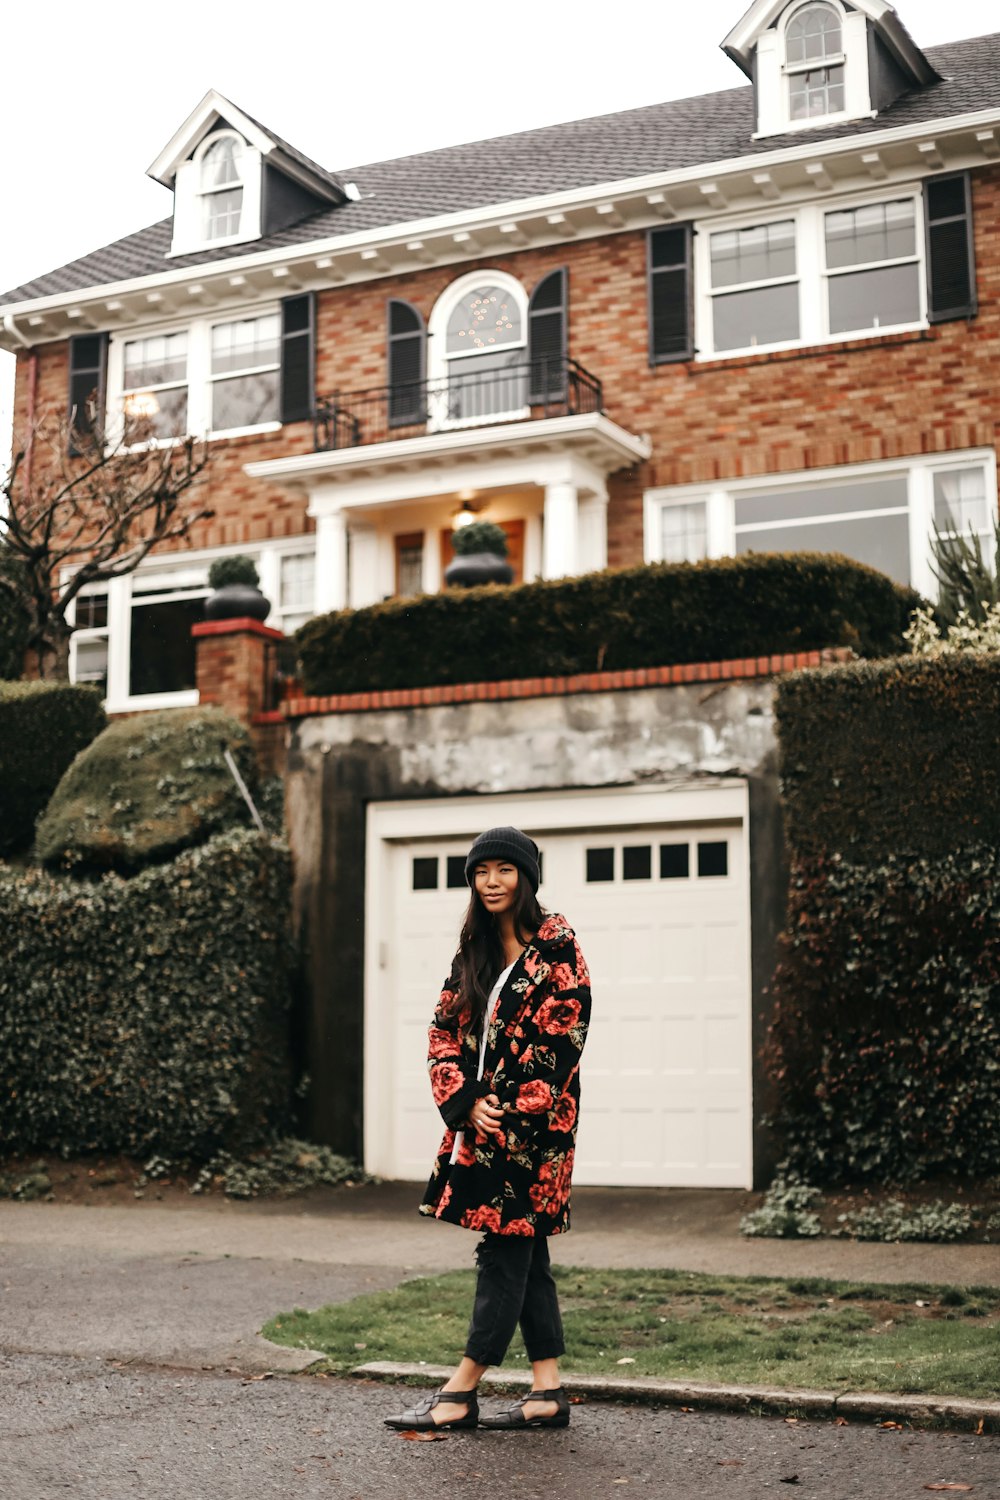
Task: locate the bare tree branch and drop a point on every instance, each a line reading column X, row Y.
column 91, row 513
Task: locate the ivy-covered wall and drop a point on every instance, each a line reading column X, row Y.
column 884, row 1048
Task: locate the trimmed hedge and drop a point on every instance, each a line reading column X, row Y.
column 146, row 788
column 885, row 1041
column 884, row 1044
column 881, row 758
column 43, row 725
column 636, row 617
column 148, row 1014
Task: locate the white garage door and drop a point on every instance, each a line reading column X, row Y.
column 660, row 909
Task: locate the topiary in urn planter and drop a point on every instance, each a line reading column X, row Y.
column 481, row 556
column 236, row 596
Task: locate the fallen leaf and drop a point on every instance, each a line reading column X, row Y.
column 891, row 1426
column 625, row 1361
column 577, row 1400
column 687, row 1408
column 789, row 1479
column 424, row 1437
column 948, row 1486
column 841, row 1422
column 792, row 1421
column 979, row 1429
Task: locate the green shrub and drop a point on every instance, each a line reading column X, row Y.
column 146, row 788
column 786, row 1213
column 227, row 570
column 148, row 1014
column 14, row 624
column 893, row 1221
column 43, row 725
column 479, row 536
column 884, row 1046
column 891, row 757
column 637, row 617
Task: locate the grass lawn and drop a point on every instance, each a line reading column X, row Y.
column 833, row 1335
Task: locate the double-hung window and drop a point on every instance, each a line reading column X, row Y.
column 754, row 287
column 810, row 276
column 872, row 270
column 215, row 376
column 814, row 62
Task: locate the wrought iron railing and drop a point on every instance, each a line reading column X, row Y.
column 473, row 398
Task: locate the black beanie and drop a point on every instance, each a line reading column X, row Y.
column 505, row 843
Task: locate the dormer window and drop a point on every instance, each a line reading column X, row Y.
column 222, row 187
column 814, row 62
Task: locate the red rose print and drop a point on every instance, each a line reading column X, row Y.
column 482, row 1218
column 565, row 1113
column 564, row 977
column 519, row 1226
column 557, row 1016
column 445, row 1197
column 529, row 1053
column 466, row 1156
column 539, row 1195
column 441, row 1044
column 533, row 1097
column 448, row 1079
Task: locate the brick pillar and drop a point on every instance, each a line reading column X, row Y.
column 233, row 663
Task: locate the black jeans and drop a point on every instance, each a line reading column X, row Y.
column 514, row 1285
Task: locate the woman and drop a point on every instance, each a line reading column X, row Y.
column 504, row 1061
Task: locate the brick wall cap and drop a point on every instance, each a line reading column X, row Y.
column 636, row 680
column 242, row 626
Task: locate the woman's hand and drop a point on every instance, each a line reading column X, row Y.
column 485, row 1115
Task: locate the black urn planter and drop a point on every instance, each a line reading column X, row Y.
column 475, row 568
column 237, row 601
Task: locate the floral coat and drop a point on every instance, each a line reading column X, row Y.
column 519, row 1181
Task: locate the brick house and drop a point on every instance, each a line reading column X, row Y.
column 762, row 319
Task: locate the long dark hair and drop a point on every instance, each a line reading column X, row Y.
column 481, row 956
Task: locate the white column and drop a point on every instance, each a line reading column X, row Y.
column 331, row 561
column 560, row 531
column 365, row 584
column 593, row 541
column 432, row 574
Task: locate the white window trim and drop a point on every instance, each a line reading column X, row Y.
column 189, row 199
column 118, row 631
column 774, row 116
column 918, row 470
column 438, row 359
column 200, row 380
column 811, row 272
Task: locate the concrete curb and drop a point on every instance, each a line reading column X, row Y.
column 956, row 1412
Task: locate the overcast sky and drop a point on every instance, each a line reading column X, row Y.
column 90, row 96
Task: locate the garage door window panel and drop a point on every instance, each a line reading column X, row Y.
column 425, row 873
column 600, row 865
column 713, row 858
column 637, row 862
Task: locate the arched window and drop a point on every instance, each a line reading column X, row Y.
column 814, row 62
column 480, row 347
column 221, row 186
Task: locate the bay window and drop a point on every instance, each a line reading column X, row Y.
column 132, row 635
column 882, row 514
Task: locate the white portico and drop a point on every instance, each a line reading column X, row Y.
column 543, row 480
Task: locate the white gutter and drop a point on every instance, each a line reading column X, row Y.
column 521, row 208
column 15, row 333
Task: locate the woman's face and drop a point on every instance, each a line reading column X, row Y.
column 496, row 884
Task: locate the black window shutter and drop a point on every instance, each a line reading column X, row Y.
column 298, row 357
column 951, row 263
column 548, row 320
column 88, row 369
column 406, row 358
column 670, row 293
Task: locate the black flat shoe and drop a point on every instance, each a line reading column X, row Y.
column 513, row 1417
column 419, row 1418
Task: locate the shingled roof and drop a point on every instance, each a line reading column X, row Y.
column 581, row 153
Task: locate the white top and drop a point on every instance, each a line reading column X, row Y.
column 494, row 995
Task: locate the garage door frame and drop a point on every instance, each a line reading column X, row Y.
column 541, row 812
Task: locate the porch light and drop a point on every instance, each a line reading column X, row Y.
column 464, row 516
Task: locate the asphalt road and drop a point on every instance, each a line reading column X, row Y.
column 82, row 1428
column 131, row 1365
